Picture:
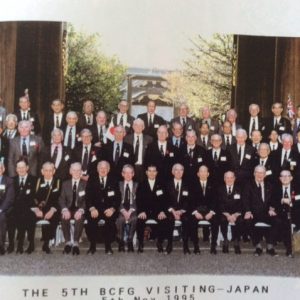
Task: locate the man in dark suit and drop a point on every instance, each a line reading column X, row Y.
column 296, row 145
column 139, row 142
column 285, row 199
column 151, row 120
column 255, row 140
column 55, row 119
column 85, row 153
column 258, row 208
column 213, row 124
column 118, row 153
column 122, row 117
column 231, row 116
column 204, row 207
column 218, row 160
column 102, row 203
column 87, row 118
column 25, row 145
column 71, row 131
column 58, row 154
column 231, row 207
column 192, row 156
column 176, row 135
column 25, row 113
column 254, row 122
column 127, row 211
column 72, row 206
column 162, row 154
column 23, row 218
column 99, row 130
column 46, row 203
column 204, row 136
column 152, row 203
column 186, row 122
column 274, row 141
column 242, row 158
column 227, row 137
column 180, row 202
column 296, row 124
column 7, row 195
column 277, row 122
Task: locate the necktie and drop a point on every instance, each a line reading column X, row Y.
column 285, row 194
column 122, row 120
column 88, row 120
column 9, row 133
column 229, row 190
column 117, row 153
column 262, row 162
column 203, row 189
column 253, row 125
column 273, row 148
column 101, row 135
column 177, row 191
column 276, row 123
column 24, row 116
column 162, row 150
column 22, row 183
column 47, row 184
column 240, row 154
column 54, row 156
column 24, row 147
column 285, row 159
column 215, row 156
column 57, row 121
column 227, row 140
column 70, row 138
column 150, row 121
column 85, row 159
column 191, row 153
column 176, row 143
column 102, row 183
column 127, row 197
column 183, row 123
column 74, row 190
column 136, row 149
column 260, row 191
column 203, row 141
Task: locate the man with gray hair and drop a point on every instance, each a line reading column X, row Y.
column 254, row 121
column 25, row 145
column 71, row 131
column 183, row 118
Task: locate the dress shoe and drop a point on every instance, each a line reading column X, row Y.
column 186, row 250
column 197, row 250
column 10, row 248
column 237, row 250
column 169, row 248
column 2, row 251
column 160, row 248
column 289, row 254
column 92, row 249
column 46, row 248
column 140, row 249
column 108, row 250
column 67, row 249
column 272, row 252
column 213, row 250
column 225, row 249
column 258, row 252
column 130, row 247
column 30, row 249
column 121, row 247
column 20, row 250
column 75, row 250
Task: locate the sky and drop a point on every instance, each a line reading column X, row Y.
column 156, row 33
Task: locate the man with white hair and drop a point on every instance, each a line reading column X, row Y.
column 25, row 145
column 99, row 129
column 254, row 121
column 242, row 157
column 183, row 118
column 231, row 116
column 212, row 123
column 71, row 131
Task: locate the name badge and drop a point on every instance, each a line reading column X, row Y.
column 159, row 192
column 43, row 185
column 199, row 159
column 293, row 163
column 67, row 157
column 281, row 128
column 55, row 190
column 247, row 156
column 185, row 193
column 32, row 119
column 126, row 154
column 27, row 192
column 2, row 187
column 156, row 125
column 127, row 125
column 110, row 193
column 94, row 158
column 263, row 128
column 212, row 127
column 237, row 196
column 32, row 143
column 81, row 193
column 0, row 118
column 297, row 197
column 269, row 172
column 171, row 154
column 223, row 158
column 79, row 139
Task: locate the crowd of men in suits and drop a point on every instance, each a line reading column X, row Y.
column 85, row 170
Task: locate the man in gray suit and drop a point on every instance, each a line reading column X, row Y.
column 127, row 210
column 139, row 142
column 72, row 203
column 26, row 146
column 7, row 195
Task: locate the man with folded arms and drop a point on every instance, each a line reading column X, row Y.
column 258, row 208
column 72, row 204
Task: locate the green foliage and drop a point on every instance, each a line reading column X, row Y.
column 91, row 74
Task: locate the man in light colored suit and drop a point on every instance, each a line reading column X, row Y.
column 127, row 210
column 72, row 204
column 27, row 146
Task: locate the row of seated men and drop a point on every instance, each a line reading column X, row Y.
column 26, row 199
